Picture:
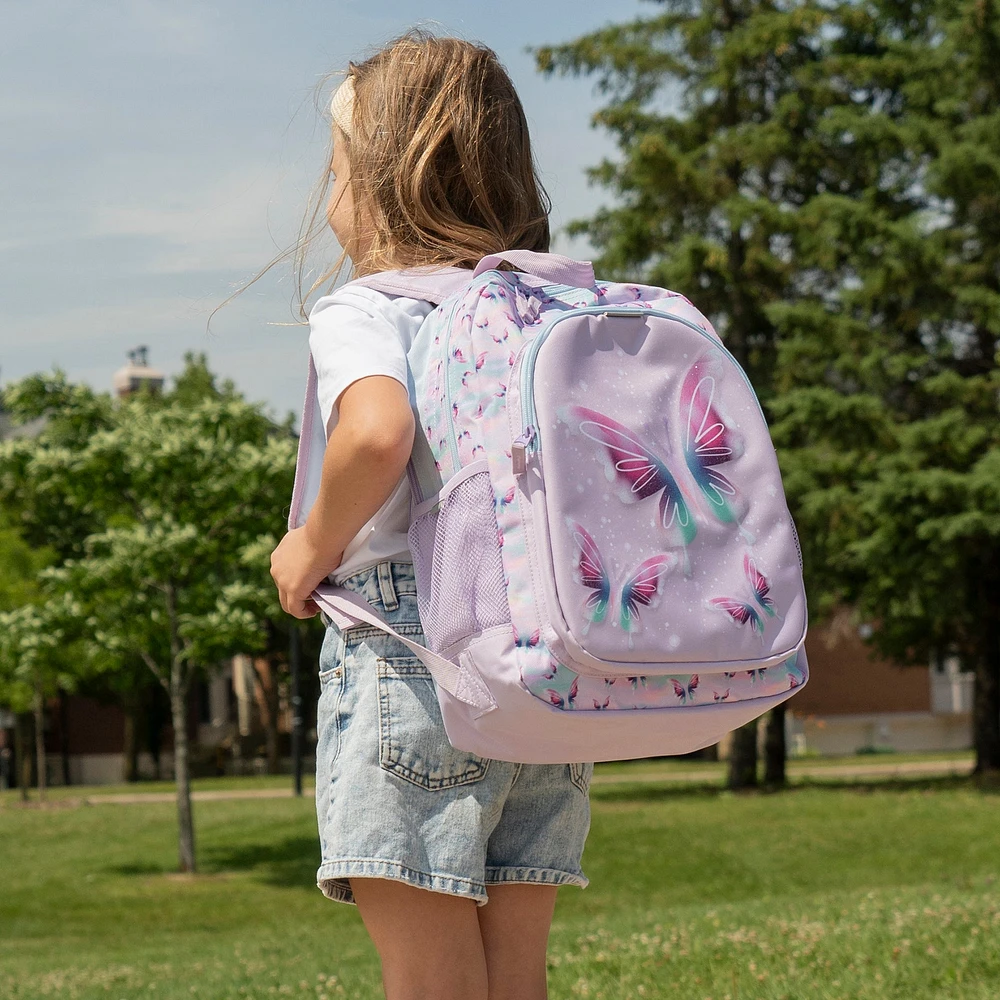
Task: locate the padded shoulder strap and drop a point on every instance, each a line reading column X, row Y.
column 428, row 284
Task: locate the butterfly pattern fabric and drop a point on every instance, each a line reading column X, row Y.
column 710, row 441
column 680, row 472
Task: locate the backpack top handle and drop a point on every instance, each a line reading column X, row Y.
column 551, row 267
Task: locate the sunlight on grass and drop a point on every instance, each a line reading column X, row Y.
column 815, row 894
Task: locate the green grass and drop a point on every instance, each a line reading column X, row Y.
column 820, row 892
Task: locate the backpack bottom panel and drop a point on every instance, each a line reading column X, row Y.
column 526, row 729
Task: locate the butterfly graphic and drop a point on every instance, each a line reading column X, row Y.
column 721, row 695
column 641, row 589
column 507, row 499
column 639, row 471
column 746, row 612
column 527, row 641
column 708, row 441
column 686, row 691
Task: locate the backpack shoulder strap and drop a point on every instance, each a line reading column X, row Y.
column 429, row 284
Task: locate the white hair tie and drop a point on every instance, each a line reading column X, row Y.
column 342, row 106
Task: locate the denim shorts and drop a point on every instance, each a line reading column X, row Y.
column 395, row 800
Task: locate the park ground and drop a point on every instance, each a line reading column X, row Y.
column 859, row 885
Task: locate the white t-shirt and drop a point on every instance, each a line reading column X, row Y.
column 354, row 333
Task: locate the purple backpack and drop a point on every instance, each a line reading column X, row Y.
column 606, row 567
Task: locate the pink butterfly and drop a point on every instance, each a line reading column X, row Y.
column 527, row 642
column 723, row 696
column 742, row 611
column 709, row 441
column 507, row 499
column 685, row 691
column 641, row 589
column 599, row 706
column 639, row 472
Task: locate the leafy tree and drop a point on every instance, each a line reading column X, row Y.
column 174, row 491
column 36, row 654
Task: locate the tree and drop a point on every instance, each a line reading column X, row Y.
column 888, row 423
column 714, row 105
column 827, row 190
column 174, row 491
column 36, row 654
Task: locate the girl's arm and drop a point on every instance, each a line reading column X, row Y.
column 365, row 457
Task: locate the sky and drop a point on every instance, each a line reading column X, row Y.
column 155, row 154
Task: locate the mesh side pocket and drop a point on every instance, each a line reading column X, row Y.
column 459, row 570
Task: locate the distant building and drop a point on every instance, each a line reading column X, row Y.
column 857, row 701
column 136, row 375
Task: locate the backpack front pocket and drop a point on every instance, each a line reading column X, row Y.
column 660, row 539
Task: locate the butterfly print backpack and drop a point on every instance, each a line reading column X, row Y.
column 606, row 567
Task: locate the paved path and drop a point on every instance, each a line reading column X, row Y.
column 909, row 769
column 707, row 775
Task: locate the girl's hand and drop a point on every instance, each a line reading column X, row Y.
column 296, row 568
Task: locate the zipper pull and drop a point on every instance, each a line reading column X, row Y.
column 519, row 451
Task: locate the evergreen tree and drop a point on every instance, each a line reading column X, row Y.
column 889, row 427
column 714, row 105
column 823, row 181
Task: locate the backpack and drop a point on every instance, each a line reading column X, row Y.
column 606, row 567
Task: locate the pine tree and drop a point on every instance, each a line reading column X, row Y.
column 888, row 369
column 824, row 181
column 714, row 105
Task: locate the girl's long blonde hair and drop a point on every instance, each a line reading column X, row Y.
column 441, row 167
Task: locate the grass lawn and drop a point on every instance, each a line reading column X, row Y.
column 821, row 892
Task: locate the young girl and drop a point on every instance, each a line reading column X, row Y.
column 453, row 860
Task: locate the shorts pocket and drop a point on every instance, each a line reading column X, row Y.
column 580, row 775
column 412, row 740
column 331, row 688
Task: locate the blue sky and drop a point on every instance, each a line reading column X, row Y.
column 156, row 153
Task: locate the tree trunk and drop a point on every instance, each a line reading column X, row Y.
column 743, row 757
column 64, row 737
column 22, row 755
column 775, row 751
column 986, row 702
column 130, row 751
column 185, row 821
column 41, row 764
